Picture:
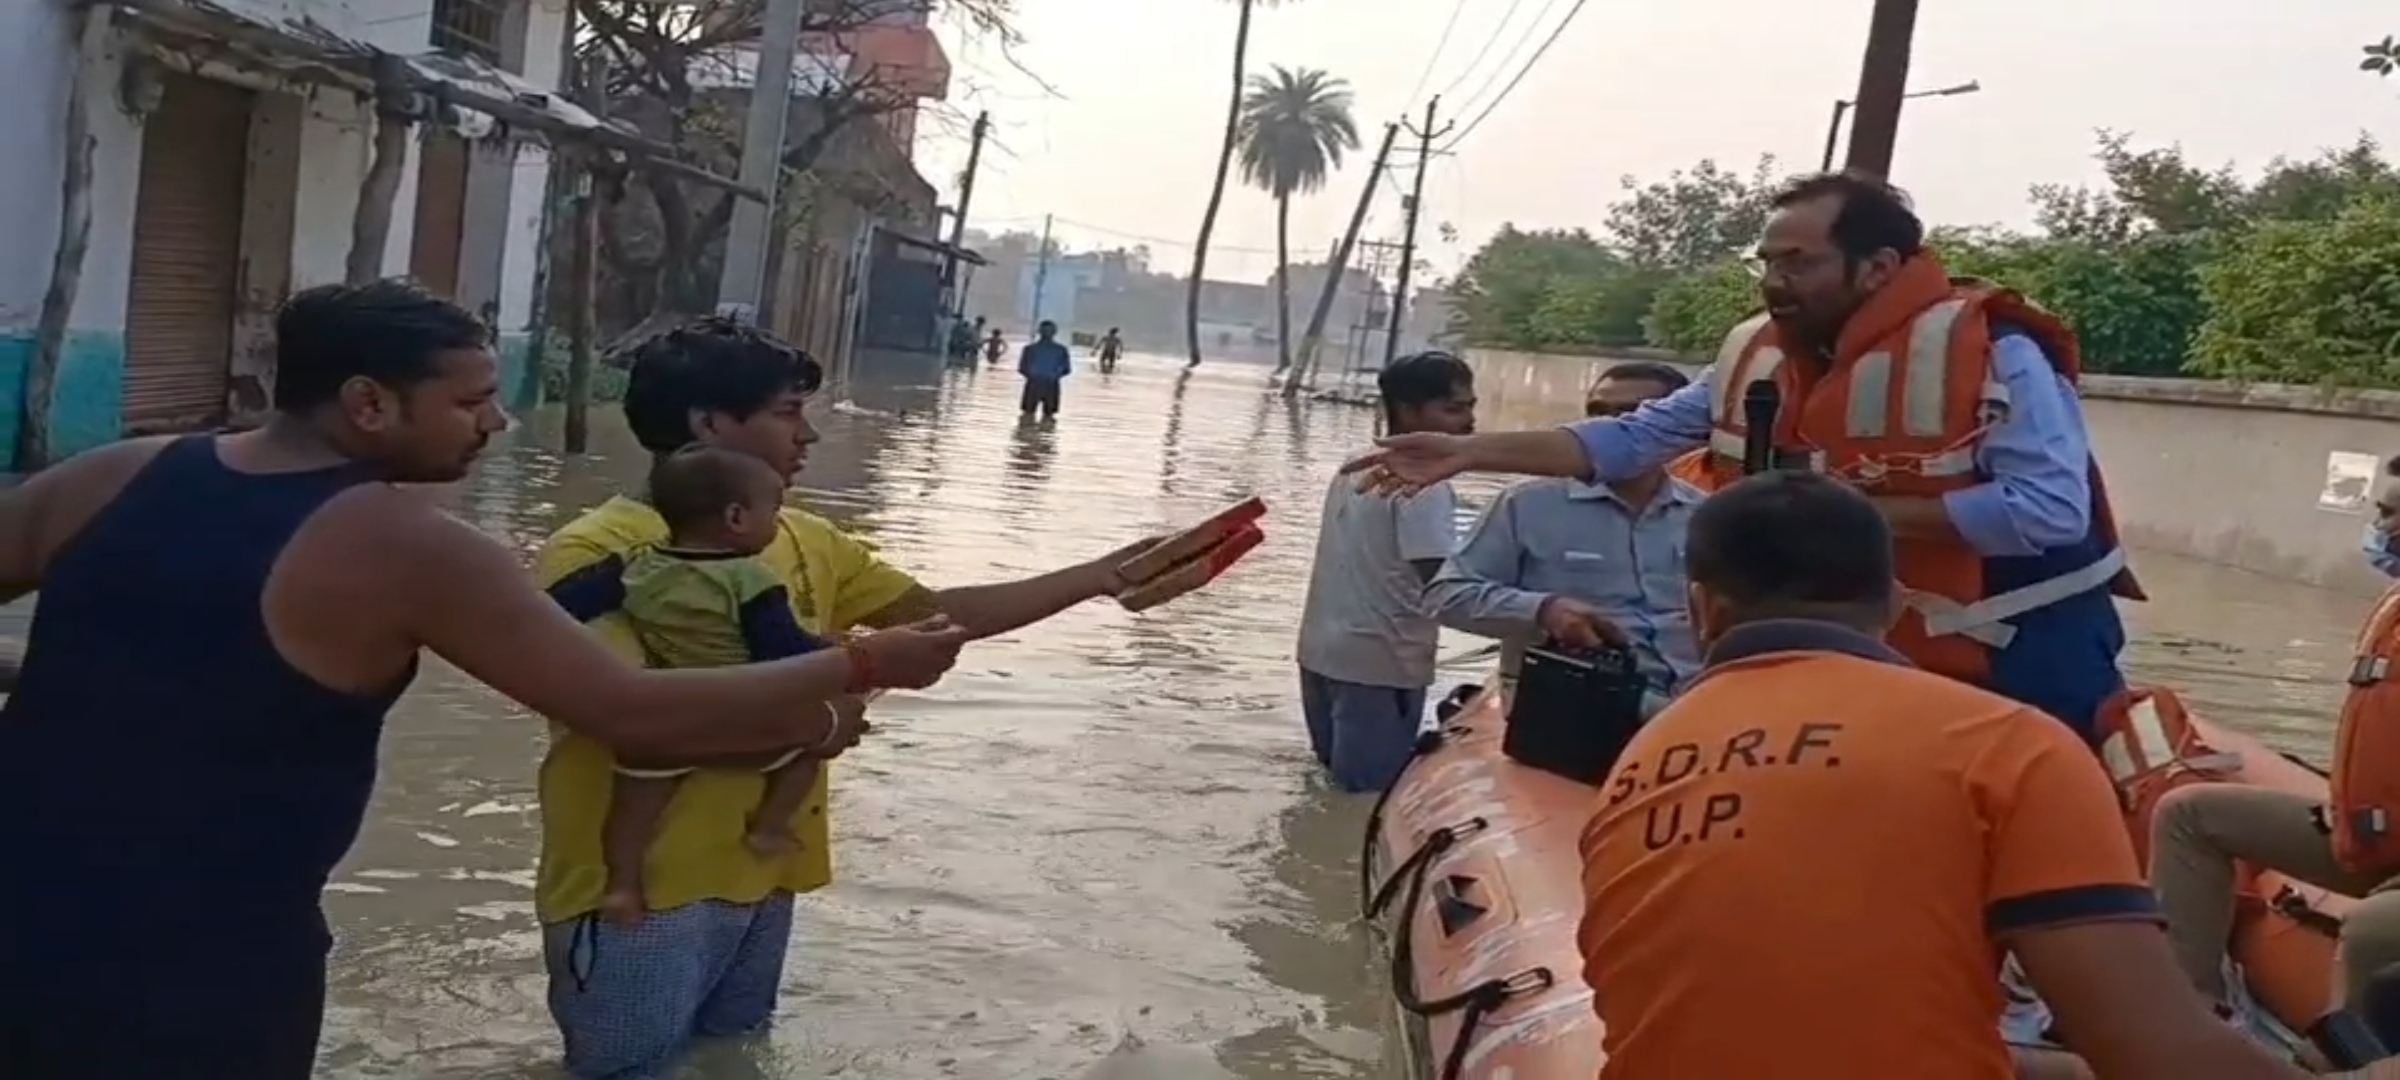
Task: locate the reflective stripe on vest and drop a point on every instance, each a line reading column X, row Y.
column 1984, row 620
column 1924, row 389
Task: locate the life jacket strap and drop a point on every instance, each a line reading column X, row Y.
column 1985, row 620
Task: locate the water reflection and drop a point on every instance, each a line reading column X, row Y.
column 1094, row 852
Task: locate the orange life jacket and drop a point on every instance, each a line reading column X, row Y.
column 1900, row 411
column 1692, row 468
column 2151, row 747
column 2366, row 748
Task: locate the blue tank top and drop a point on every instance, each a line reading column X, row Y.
column 161, row 764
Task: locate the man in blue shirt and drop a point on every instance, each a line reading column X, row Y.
column 1582, row 562
column 2016, row 555
column 1045, row 364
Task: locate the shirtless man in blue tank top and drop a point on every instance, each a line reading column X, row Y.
column 224, row 621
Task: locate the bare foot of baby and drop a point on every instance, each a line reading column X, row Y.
column 770, row 841
column 622, row 907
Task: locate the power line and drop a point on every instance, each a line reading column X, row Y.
column 1536, row 58
column 1525, row 37
column 1489, row 40
column 1440, row 42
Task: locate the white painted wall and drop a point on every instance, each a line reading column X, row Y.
column 545, row 29
column 37, row 48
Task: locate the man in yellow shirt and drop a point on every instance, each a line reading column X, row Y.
column 708, row 958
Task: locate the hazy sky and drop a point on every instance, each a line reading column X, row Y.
column 1123, row 152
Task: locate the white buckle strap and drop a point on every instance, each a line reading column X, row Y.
column 1985, row 620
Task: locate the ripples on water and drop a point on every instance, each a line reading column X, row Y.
column 1094, row 852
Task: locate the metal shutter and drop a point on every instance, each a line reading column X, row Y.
column 187, row 248
column 441, row 222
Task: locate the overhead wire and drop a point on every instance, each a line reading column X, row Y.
column 1440, row 42
column 1506, row 16
column 1519, row 77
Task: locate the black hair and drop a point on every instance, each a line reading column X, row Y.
column 1422, row 379
column 1649, row 371
column 1873, row 216
column 2392, row 467
column 389, row 330
column 709, row 364
column 693, row 485
column 1794, row 544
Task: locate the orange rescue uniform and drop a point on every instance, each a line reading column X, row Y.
column 1809, row 866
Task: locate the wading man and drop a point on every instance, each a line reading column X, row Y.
column 1950, row 404
column 708, row 958
column 224, row 622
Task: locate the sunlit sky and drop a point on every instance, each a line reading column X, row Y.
column 1121, row 143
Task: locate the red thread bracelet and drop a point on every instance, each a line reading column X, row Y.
column 862, row 670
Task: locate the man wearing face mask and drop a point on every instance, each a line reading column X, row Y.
column 2377, row 543
column 1951, row 404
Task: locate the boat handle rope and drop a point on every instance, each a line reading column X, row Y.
column 1477, row 1001
column 1370, row 898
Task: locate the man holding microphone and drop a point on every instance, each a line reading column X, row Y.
column 1950, row 404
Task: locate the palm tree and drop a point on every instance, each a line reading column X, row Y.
column 1216, row 193
column 1294, row 128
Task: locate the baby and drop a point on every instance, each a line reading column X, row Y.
column 702, row 599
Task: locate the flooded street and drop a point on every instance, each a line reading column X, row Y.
column 1095, row 851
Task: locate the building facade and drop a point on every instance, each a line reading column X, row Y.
column 230, row 143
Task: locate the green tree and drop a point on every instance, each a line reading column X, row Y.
column 1295, row 126
column 1694, row 217
column 2156, row 190
column 1694, row 311
column 1216, row 190
column 1497, row 293
column 1599, row 311
column 2307, row 302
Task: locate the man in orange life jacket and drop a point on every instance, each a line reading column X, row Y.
column 2348, row 843
column 1950, row 404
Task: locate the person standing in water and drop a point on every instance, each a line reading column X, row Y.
column 1045, row 364
column 703, row 599
column 224, row 622
column 1112, row 348
column 1367, row 634
column 707, row 959
column 994, row 348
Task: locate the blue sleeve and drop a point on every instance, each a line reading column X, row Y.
column 1660, row 431
column 2378, row 548
column 592, row 591
column 2039, row 460
column 769, row 629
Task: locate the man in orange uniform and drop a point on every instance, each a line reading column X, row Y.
column 1951, row 403
column 1909, row 829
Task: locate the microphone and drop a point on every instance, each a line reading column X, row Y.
column 1761, row 400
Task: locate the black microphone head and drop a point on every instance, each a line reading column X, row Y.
column 1762, row 393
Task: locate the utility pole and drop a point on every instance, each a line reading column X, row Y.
column 1311, row 338
column 1408, row 235
column 966, row 195
column 583, row 282
column 1882, row 84
column 1041, row 272
column 742, row 281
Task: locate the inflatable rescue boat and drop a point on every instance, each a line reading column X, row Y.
column 1470, row 871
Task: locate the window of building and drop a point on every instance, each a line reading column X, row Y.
column 468, row 27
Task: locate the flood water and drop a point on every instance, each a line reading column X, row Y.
column 1095, row 851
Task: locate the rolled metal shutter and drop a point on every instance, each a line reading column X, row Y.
column 441, row 218
column 187, row 249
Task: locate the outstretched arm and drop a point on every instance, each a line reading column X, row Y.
column 464, row 596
